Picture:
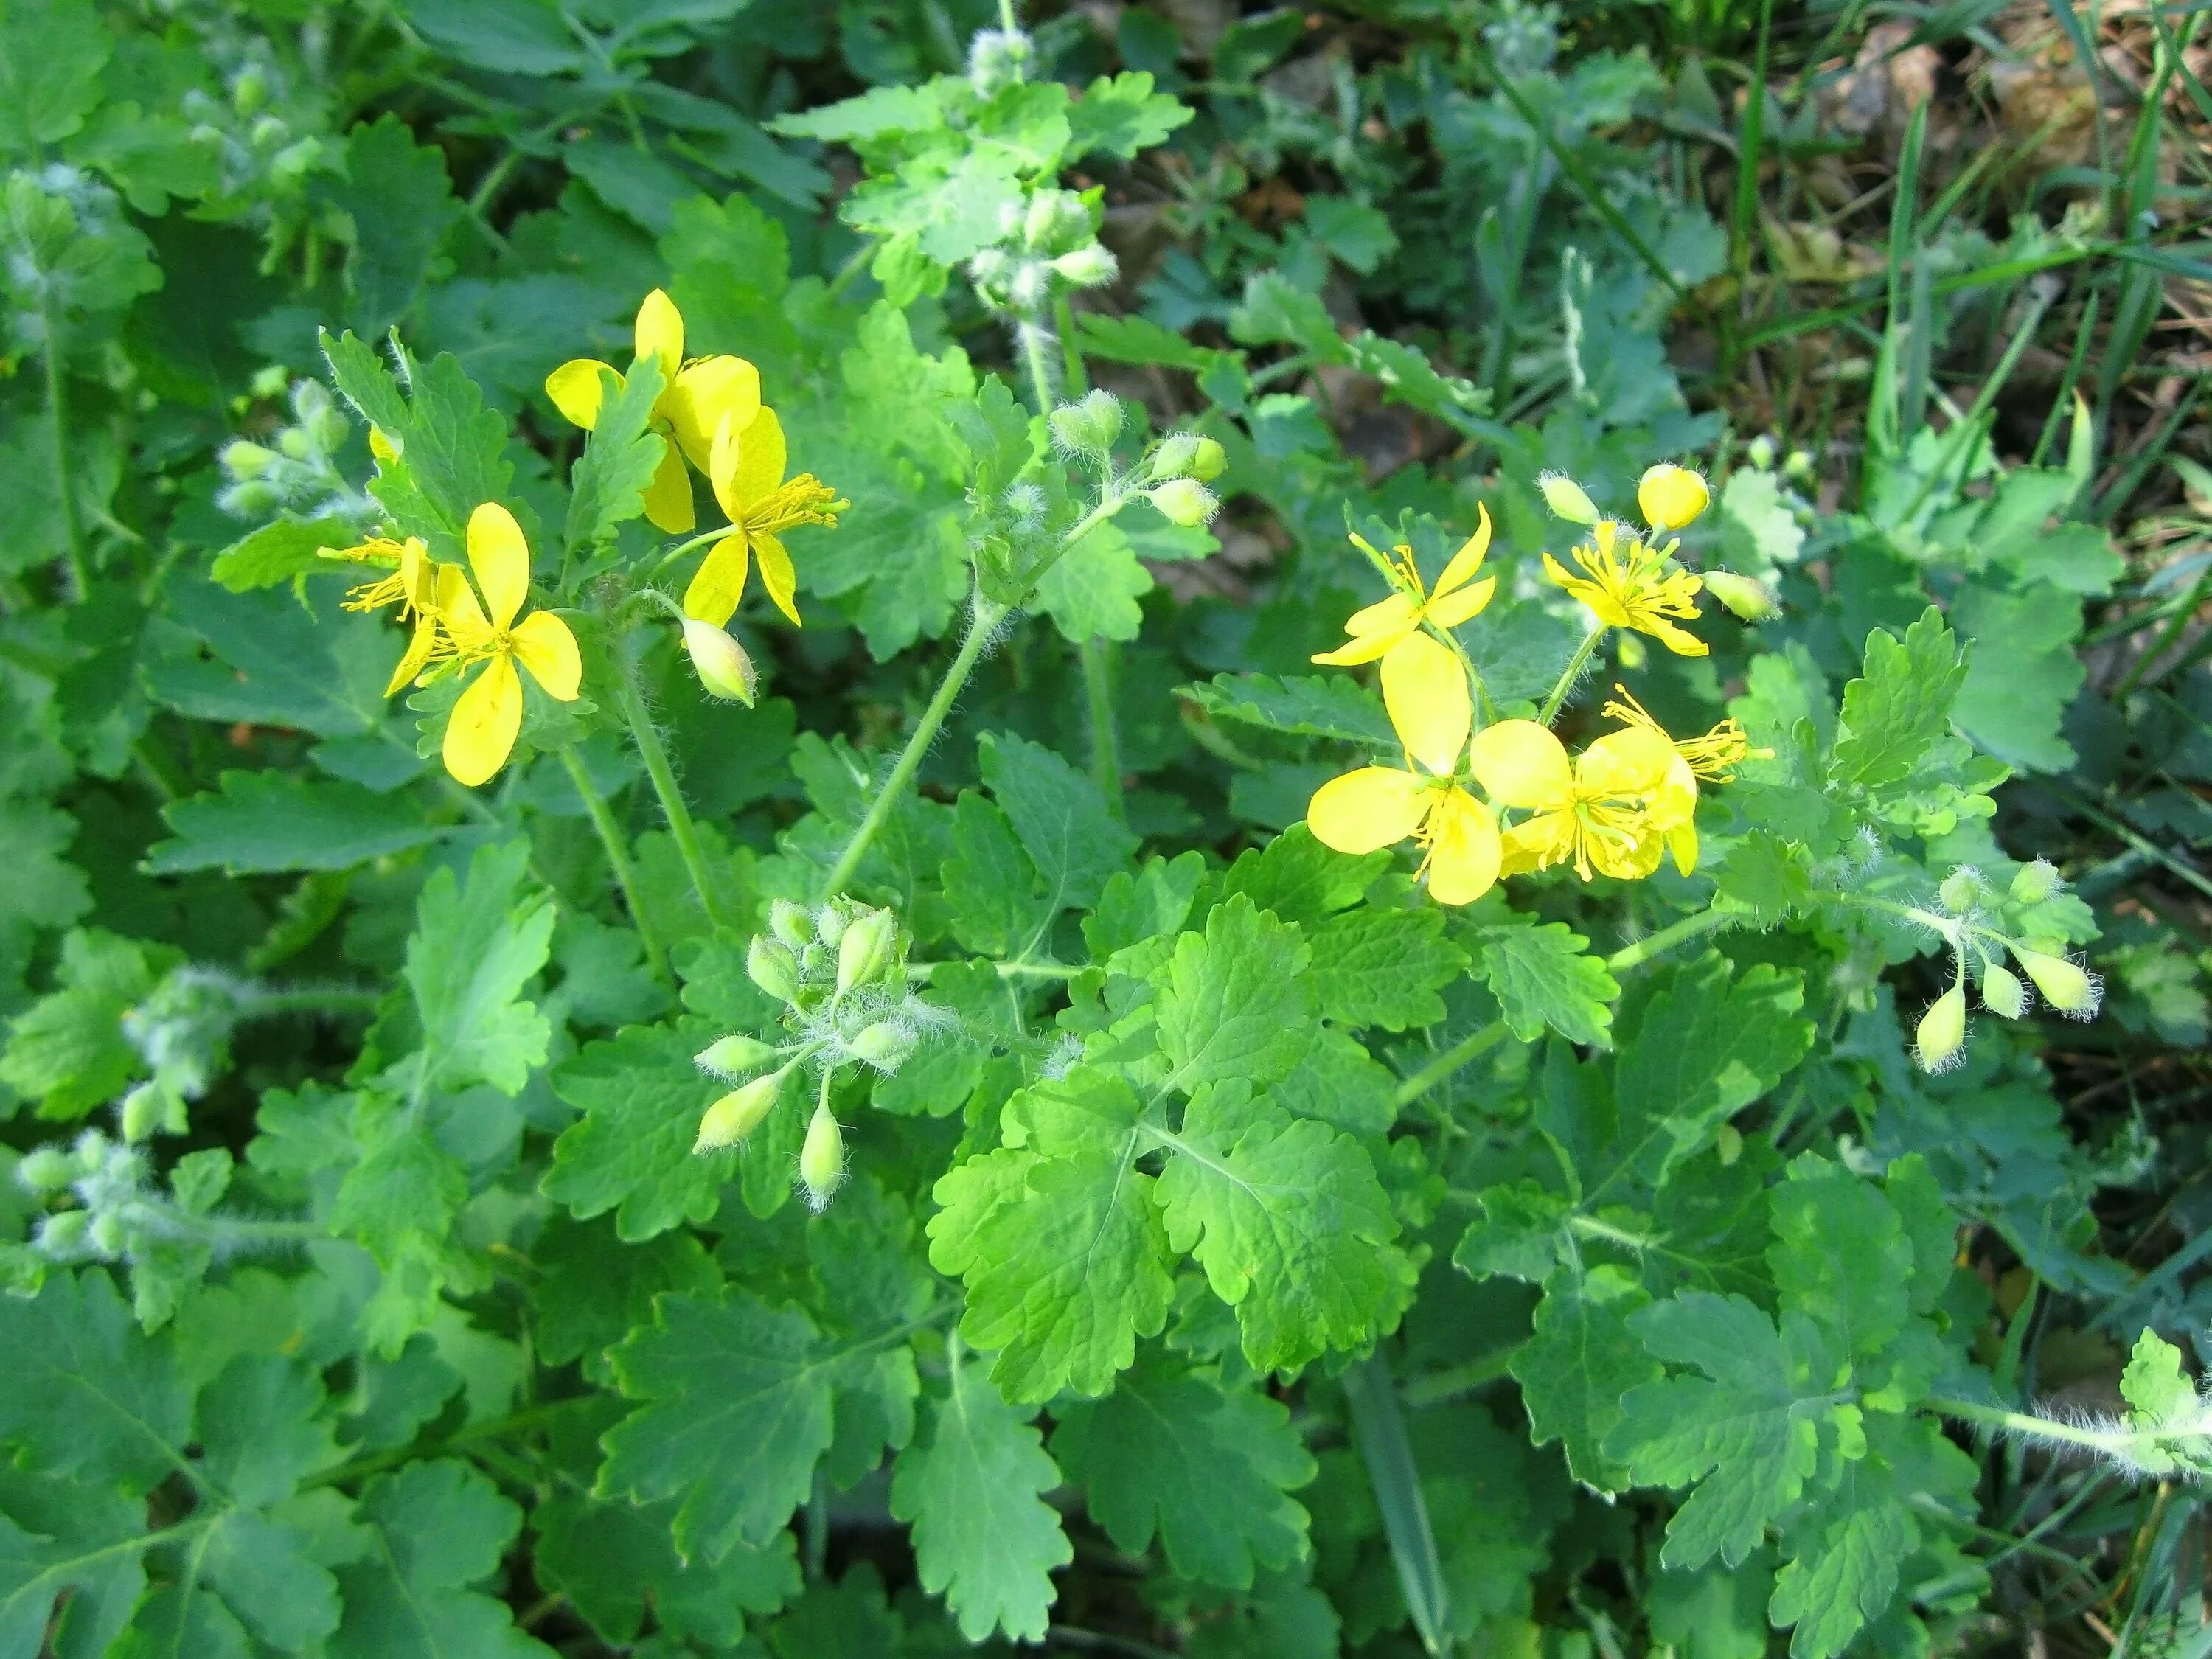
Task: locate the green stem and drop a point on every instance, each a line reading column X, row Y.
column 1460, row 1054
column 1105, row 741
column 1652, row 944
column 1568, row 675
column 983, row 616
column 494, row 1428
column 610, row 837
column 655, row 755
column 2119, row 1442
column 64, row 482
column 1033, row 338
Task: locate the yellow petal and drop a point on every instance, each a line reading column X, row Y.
column 777, row 576
column 1625, row 858
column 1626, row 765
column 1425, row 688
column 424, row 641
column 481, row 734
column 668, row 497
column 1375, row 807
column 544, row 645
column 1463, row 849
column 500, row 559
column 1682, row 848
column 702, row 394
column 1670, row 496
column 1536, row 843
column 1519, row 763
column 756, row 462
column 659, row 334
column 714, row 591
column 457, row 608
column 1468, row 560
column 1453, row 609
column 1392, row 616
column 1679, row 641
column 1366, row 647
column 576, row 389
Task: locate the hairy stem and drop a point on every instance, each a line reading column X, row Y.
column 1651, row 945
column 610, row 837
column 1460, row 1054
column 655, row 755
column 64, row 481
column 1105, row 741
column 2112, row 1442
column 983, row 615
column 1568, row 675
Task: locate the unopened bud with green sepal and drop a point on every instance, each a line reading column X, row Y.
column 1941, row 1038
column 734, row 1055
column 739, row 1113
column 885, row 1045
column 2067, row 987
column 870, row 941
column 822, row 1159
column 1183, row 501
column 770, row 965
column 2031, row 884
column 2002, row 994
column 1568, row 499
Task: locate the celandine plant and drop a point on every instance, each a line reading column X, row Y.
column 831, row 1064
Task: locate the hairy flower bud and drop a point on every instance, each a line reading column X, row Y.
column 247, row 460
column 737, row 1113
column 1184, row 501
column 2031, row 884
column 106, row 1235
column 1568, row 499
column 734, row 1055
column 772, row 967
column 865, row 949
column 885, row 1045
column 1941, row 1038
column 791, row 923
column 2066, row 985
column 145, row 1109
column 1055, row 221
column 2002, row 994
column 1091, row 266
column 46, row 1169
column 721, row 663
column 1746, row 598
column 822, row 1159
column 1759, row 451
column 1671, row 496
column 63, row 1237
column 1960, row 888
column 1087, row 427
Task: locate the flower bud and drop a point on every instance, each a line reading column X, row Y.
column 734, row 1055
column 63, row 1237
column 1055, row 221
column 145, row 1109
column 1759, row 451
column 1671, row 496
column 2065, row 984
column 1187, row 455
column 822, row 1159
column 2031, row 884
column 1091, row 266
column 1960, row 888
column 721, row 663
column 737, row 1113
column 1942, row 1037
column 885, row 1045
column 242, row 459
column 1746, row 598
column 1207, row 464
column 104, row 1234
column 1184, row 501
column 865, row 949
column 829, row 924
column 297, row 442
column 2002, row 994
column 790, row 923
column 1568, row 499
column 772, row 967
column 1089, row 427
column 46, row 1169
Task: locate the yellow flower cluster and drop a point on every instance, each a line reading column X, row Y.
column 1616, row 809
column 456, row 630
column 709, row 413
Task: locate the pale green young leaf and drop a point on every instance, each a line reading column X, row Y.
column 1091, row 592
column 1120, row 115
column 1235, row 1002
column 1206, row 1468
column 439, row 1530
column 1901, row 707
column 2166, row 1409
column 972, row 1488
column 67, row 1050
column 1544, row 976
column 1292, row 1228
column 613, row 1561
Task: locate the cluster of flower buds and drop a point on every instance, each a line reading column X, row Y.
column 840, row 971
column 296, row 472
column 259, row 155
column 1669, row 497
column 182, row 1031
column 1973, row 908
column 999, row 58
column 1047, row 245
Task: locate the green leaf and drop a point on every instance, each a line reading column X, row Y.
column 593, row 1288
column 991, row 885
column 1580, row 1363
column 438, row 1528
column 2024, row 674
column 972, row 1488
column 1355, row 233
column 88, row 1395
column 401, row 204
column 256, row 822
column 1383, row 966
column 508, row 37
column 1206, row 1468
column 279, row 552
column 1092, row 592
column 1122, row 116
column 1074, row 840
column 1544, row 977
column 1292, row 1228
column 1301, row 880
column 1135, row 907
column 1303, row 705
column 452, row 450
column 613, row 1561
column 1840, row 1255
column 52, row 52
column 45, row 890
column 475, row 947
column 738, row 1414
column 1846, row 1573
column 67, row 1051
column 1746, row 1431
column 1235, row 1003
column 279, row 663
column 2165, row 1409
column 1901, row 707
column 1059, row 1240
column 619, row 459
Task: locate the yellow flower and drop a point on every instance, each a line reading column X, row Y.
column 485, row 721
column 693, row 400
column 1714, row 757
column 1426, row 690
column 1629, row 587
column 747, row 472
column 1670, row 496
column 1611, row 809
column 1383, row 626
column 414, row 584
